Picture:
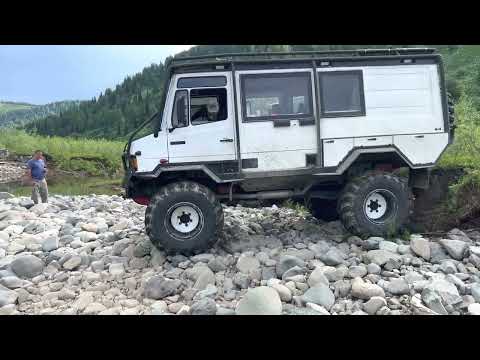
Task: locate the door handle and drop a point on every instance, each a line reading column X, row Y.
column 329, row 141
column 177, row 142
column 419, row 136
column 226, row 140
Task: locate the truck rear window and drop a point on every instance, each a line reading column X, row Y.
column 341, row 93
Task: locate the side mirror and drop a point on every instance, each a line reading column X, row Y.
column 157, row 121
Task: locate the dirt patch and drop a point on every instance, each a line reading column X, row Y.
column 432, row 211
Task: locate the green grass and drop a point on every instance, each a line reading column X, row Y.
column 464, row 196
column 300, row 209
column 11, row 106
column 96, row 157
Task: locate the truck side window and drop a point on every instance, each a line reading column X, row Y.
column 180, row 109
column 341, row 93
column 208, row 105
column 276, row 96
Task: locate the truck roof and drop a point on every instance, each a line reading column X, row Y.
column 194, row 62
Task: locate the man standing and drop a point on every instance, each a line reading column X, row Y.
column 37, row 170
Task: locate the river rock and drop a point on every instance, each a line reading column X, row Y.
column 72, row 263
column 437, row 253
column 205, row 306
column 27, row 266
column 205, row 277
column 474, row 309
column 261, row 300
column 333, row 257
column 357, row 271
column 446, row 290
column 456, row 234
column 317, row 277
column 159, row 287
column 397, row 287
column 475, row 290
column 374, row 304
column 420, row 247
column 320, row 294
column 388, row 246
column 380, row 257
column 365, row 291
column 247, row 264
column 287, row 262
column 49, row 244
column 7, row 297
column 456, row 248
column 433, row 301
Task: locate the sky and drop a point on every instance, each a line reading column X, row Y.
column 39, row 74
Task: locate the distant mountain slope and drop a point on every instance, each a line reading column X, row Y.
column 18, row 114
column 116, row 113
column 7, row 106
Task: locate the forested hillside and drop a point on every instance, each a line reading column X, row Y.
column 116, row 113
column 8, row 106
column 14, row 114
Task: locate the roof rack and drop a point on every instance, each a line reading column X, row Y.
column 295, row 55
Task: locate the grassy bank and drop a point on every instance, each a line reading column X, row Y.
column 71, row 186
column 464, row 199
column 94, row 157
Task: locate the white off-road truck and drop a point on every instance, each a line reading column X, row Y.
column 325, row 127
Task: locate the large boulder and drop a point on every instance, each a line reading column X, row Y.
column 333, row 257
column 320, row 294
column 7, row 296
column 159, row 287
column 247, row 264
column 446, row 290
column 457, row 234
column 433, row 301
column 381, row 257
column 205, row 306
column 262, row 300
column 205, row 277
column 365, row 291
column 437, row 253
column 474, row 309
column 374, row 304
column 457, row 249
column 287, row 262
column 420, row 247
column 317, row 277
column 397, row 287
column 475, row 290
column 27, row 266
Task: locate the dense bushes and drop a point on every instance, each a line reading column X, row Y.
column 464, row 200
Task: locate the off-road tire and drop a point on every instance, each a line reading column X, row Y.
column 175, row 193
column 352, row 199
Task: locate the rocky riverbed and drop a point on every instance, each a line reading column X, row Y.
column 90, row 255
column 11, row 171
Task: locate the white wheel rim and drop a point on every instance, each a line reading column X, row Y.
column 375, row 206
column 184, row 219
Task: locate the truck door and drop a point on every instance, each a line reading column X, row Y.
column 277, row 120
column 202, row 119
